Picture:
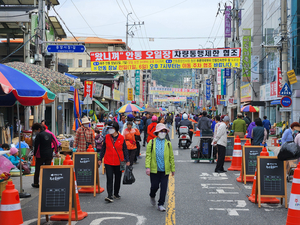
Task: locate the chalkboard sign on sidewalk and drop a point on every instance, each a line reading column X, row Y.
column 249, row 162
column 230, row 144
column 57, row 191
column 244, row 140
column 86, row 170
column 271, row 178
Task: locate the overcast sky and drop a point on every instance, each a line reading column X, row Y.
column 188, row 23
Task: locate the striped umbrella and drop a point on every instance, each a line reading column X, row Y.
column 129, row 108
column 250, row 108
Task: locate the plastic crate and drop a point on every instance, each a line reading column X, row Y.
column 2, row 186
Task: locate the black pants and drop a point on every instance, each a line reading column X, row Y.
column 145, row 138
column 110, row 172
column 156, row 179
column 39, row 162
column 268, row 134
column 138, row 150
column 221, row 157
column 191, row 133
column 131, row 154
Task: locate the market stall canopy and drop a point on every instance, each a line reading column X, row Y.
column 250, row 108
column 53, row 80
column 152, row 110
column 129, row 108
column 100, row 105
column 17, row 86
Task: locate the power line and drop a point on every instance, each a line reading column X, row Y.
column 83, row 18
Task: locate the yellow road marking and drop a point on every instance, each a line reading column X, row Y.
column 172, row 132
column 170, row 216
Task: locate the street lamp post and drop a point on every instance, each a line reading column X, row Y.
column 126, row 72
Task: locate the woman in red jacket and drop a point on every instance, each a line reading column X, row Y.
column 115, row 150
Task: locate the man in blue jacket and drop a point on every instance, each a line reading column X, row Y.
column 267, row 125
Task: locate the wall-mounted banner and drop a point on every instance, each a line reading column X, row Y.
column 223, row 82
column 227, row 22
column 130, row 94
column 219, row 76
column 106, row 92
column 246, row 93
column 208, row 89
column 255, row 68
column 88, row 88
column 227, row 73
column 166, row 59
column 116, row 95
column 173, row 91
column 170, row 99
column 246, row 56
column 137, row 82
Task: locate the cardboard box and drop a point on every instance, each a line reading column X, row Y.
column 291, row 164
column 65, row 144
column 31, row 118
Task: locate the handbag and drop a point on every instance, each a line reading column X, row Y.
column 87, row 143
column 137, row 138
column 122, row 163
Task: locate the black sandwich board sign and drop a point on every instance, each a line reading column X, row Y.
column 271, row 179
column 249, row 160
column 230, row 144
column 57, row 192
column 86, row 170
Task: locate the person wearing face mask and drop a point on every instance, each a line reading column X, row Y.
column 84, row 136
column 115, row 150
column 129, row 135
column 288, row 134
column 159, row 164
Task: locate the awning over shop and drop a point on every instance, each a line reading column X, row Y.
column 276, row 102
column 102, row 106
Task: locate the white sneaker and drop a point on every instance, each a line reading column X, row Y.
column 152, row 201
column 161, row 208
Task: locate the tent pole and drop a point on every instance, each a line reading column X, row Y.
column 22, row 194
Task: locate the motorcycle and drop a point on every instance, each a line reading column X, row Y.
column 184, row 138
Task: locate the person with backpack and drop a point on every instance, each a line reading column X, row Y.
column 159, row 164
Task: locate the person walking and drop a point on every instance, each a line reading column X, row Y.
column 288, row 134
column 129, row 135
column 43, row 150
column 221, row 141
column 247, row 120
column 204, row 123
column 159, row 164
column 115, row 151
column 84, row 136
column 145, row 128
column 169, row 121
column 259, row 133
column 177, row 121
column 122, row 122
column 267, row 126
column 151, row 129
column 239, row 126
column 249, row 130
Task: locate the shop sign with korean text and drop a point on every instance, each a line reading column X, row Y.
column 227, row 22
column 170, row 99
column 137, row 82
column 107, row 92
column 130, row 94
column 219, row 99
column 255, row 68
column 208, row 89
column 279, row 80
column 88, row 88
column 227, row 73
column 246, row 55
column 173, row 91
column 166, row 59
column 292, row 77
column 246, row 93
column 98, row 89
column 117, row 95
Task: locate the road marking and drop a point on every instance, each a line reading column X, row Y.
column 272, row 208
column 230, row 211
column 221, row 191
column 184, row 160
column 140, row 219
column 214, row 176
column 247, row 187
column 170, row 216
column 240, row 203
column 207, row 186
column 98, row 221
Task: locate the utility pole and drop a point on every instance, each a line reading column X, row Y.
column 127, row 33
column 39, row 57
column 284, row 50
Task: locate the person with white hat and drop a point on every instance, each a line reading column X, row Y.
column 84, row 136
column 159, row 164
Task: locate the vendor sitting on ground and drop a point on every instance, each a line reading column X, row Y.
column 5, row 147
column 14, row 158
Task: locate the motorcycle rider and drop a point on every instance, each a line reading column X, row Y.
column 186, row 122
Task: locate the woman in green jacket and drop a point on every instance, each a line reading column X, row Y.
column 159, row 164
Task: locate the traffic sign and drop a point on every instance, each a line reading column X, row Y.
column 286, row 90
column 87, row 100
column 66, row 48
column 286, row 101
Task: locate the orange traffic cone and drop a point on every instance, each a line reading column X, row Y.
column 248, row 179
column 52, row 162
column 80, row 214
column 263, row 199
column 10, row 207
column 293, row 216
column 236, row 163
column 91, row 190
column 197, row 133
column 33, row 161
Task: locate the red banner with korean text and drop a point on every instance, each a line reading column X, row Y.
column 88, row 88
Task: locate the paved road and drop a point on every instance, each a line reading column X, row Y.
column 196, row 195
